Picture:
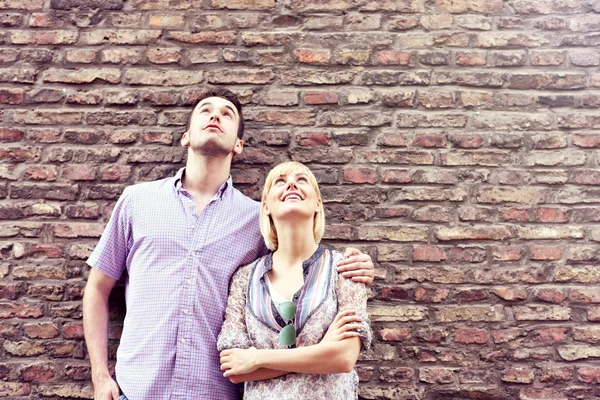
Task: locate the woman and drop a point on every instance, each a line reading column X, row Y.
column 292, row 325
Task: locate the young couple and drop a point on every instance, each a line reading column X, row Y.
column 295, row 318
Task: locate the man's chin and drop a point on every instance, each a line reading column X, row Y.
column 211, row 148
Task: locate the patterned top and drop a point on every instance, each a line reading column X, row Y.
column 178, row 266
column 252, row 320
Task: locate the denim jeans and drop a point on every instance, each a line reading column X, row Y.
column 122, row 397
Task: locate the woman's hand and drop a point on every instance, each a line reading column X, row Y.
column 341, row 328
column 239, row 361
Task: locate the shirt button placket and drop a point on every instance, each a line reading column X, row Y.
column 186, row 321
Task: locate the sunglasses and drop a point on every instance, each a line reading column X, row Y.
column 287, row 311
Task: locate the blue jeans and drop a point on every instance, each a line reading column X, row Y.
column 122, row 397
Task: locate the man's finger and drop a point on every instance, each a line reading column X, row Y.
column 350, row 260
column 350, row 251
column 361, row 279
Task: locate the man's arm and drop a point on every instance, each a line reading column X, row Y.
column 95, row 325
column 357, row 266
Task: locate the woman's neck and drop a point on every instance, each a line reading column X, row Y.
column 296, row 243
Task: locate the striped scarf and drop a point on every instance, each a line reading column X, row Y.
column 317, row 277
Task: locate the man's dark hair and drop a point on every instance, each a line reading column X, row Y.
column 227, row 95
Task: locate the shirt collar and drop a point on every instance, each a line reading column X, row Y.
column 268, row 264
column 177, row 183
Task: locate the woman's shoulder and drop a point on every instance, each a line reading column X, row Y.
column 245, row 272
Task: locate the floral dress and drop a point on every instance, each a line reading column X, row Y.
column 251, row 319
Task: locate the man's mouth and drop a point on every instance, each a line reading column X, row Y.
column 215, row 126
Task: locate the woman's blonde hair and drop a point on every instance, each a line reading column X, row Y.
column 267, row 227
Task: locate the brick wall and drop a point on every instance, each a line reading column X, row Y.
column 456, row 141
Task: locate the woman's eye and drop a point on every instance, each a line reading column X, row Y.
column 279, row 182
column 302, row 180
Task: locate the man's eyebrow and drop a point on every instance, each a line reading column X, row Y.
column 208, row 103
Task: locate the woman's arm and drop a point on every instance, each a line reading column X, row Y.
column 331, row 356
column 342, row 328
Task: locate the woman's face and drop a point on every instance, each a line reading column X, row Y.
column 292, row 195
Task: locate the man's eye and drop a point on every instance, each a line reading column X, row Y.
column 203, row 111
column 228, row 115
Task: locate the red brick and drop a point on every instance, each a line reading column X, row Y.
column 310, row 139
column 429, row 254
column 517, row 375
column 389, row 57
column 471, row 336
column 588, row 375
column 425, row 295
column 360, row 175
column 550, row 335
column 82, row 172
column 41, row 172
column 313, row 56
column 40, row 372
column 545, row 253
column 429, row 140
column 320, row 97
column 550, row 295
column 394, row 334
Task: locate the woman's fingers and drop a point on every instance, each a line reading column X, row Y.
column 351, row 327
column 347, row 335
column 350, row 318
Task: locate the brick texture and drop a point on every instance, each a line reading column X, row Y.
column 456, row 141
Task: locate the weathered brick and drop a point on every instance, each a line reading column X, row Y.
column 462, row 6
column 120, row 36
column 89, row 75
column 517, row 375
column 57, row 37
column 541, row 313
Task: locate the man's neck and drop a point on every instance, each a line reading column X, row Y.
column 205, row 175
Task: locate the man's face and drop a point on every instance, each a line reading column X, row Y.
column 213, row 128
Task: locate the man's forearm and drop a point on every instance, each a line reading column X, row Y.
column 323, row 358
column 95, row 325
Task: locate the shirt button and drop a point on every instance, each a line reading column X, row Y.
column 192, row 226
column 189, row 281
column 182, row 340
column 186, row 312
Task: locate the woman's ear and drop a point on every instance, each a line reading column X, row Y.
column 264, row 205
column 318, row 205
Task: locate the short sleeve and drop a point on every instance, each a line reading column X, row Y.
column 111, row 252
column 234, row 334
column 353, row 296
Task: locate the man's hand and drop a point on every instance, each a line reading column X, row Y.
column 357, row 266
column 342, row 327
column 105, row 388
column 239, row 361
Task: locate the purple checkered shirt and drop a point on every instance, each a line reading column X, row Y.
column 178, row 268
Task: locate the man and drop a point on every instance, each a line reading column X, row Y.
column 180, row 240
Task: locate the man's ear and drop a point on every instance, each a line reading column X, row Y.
column 239, row 146
column 185, row 139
